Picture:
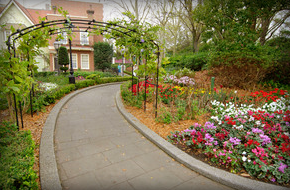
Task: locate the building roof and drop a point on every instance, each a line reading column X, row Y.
column 21, row 9
column 75, row 9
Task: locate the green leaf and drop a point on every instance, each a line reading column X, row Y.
column 17, row 78
column 15, row 89
column 264, row 169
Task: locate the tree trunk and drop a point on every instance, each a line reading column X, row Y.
column 264, row 30
column 10, row 107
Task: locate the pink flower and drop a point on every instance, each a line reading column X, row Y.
column 282, row 167
column 273, row 179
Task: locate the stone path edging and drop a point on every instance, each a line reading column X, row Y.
column 204, row 169
column 49, row 177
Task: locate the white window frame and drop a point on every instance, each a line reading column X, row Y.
column 84, row 38
column 76, row 56
column 82, row 67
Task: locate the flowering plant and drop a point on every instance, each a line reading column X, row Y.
column 245, row 137
column 182, row 81
column 168, row 94
column 46, row 86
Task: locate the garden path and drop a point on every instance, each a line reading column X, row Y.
column 96, row 148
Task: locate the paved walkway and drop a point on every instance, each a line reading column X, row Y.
column 96, row 148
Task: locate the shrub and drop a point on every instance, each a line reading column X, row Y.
column 103, row 53
column 44, row 74
column 93, row 76
column 235, row 69
column 58, row 93
column 280, row 72
column 184, row 72
column 63, row 58
column 84, row 83
column 17, row 158
column 194, row 62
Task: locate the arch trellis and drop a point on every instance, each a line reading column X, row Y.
column 76, row 25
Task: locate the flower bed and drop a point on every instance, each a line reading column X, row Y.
column 246, row 137
column 246, row 134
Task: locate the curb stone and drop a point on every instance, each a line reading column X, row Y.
column 218, row 175
column 49, row 177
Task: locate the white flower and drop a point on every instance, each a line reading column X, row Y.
column 244, row 158
column 249, row 160
column 236, row 92
column 244, row 153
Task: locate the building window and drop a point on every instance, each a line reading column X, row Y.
column 74, row 61
column 85, row 61
column 63, row 39
column 84, row 38
column 7, row 33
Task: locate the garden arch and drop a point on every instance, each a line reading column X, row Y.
column 75, row 25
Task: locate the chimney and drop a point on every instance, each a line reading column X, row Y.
column 90, row 13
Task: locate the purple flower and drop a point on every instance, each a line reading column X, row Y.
column 282, row 167
column 273, row 179
column 265, row 138
column 235, row 140
column 208, row 139
column 257, row 130
column 209, row 125
column 142, row 40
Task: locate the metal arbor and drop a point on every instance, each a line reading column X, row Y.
column 72, row 25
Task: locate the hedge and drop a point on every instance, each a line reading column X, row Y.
column 17, row 158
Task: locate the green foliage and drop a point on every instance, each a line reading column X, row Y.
column 280, row 72
column 93, row 76
column 103, row 53
column 63, row 58
column 85, row 74
column 17, row 158
column 184, row 72
column 164, row 116
column 84, row 83
column 44, row 74
column 59, row 80
column 196, row 61
column 3, row 101
column 128, row 96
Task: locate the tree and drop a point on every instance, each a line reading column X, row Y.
column 63, row 59
column 258, row 20
column 162, row 12
column 103, row 53
column 140, row 9
column 185, row 14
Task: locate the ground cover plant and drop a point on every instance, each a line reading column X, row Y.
column 247, row 132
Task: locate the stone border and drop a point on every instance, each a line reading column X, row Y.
column 49, row 177
column 218, row 175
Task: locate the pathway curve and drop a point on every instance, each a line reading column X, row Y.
column 96, row 148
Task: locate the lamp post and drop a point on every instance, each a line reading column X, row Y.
column 56, row 45
column 123, row 61
column 71, row 77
